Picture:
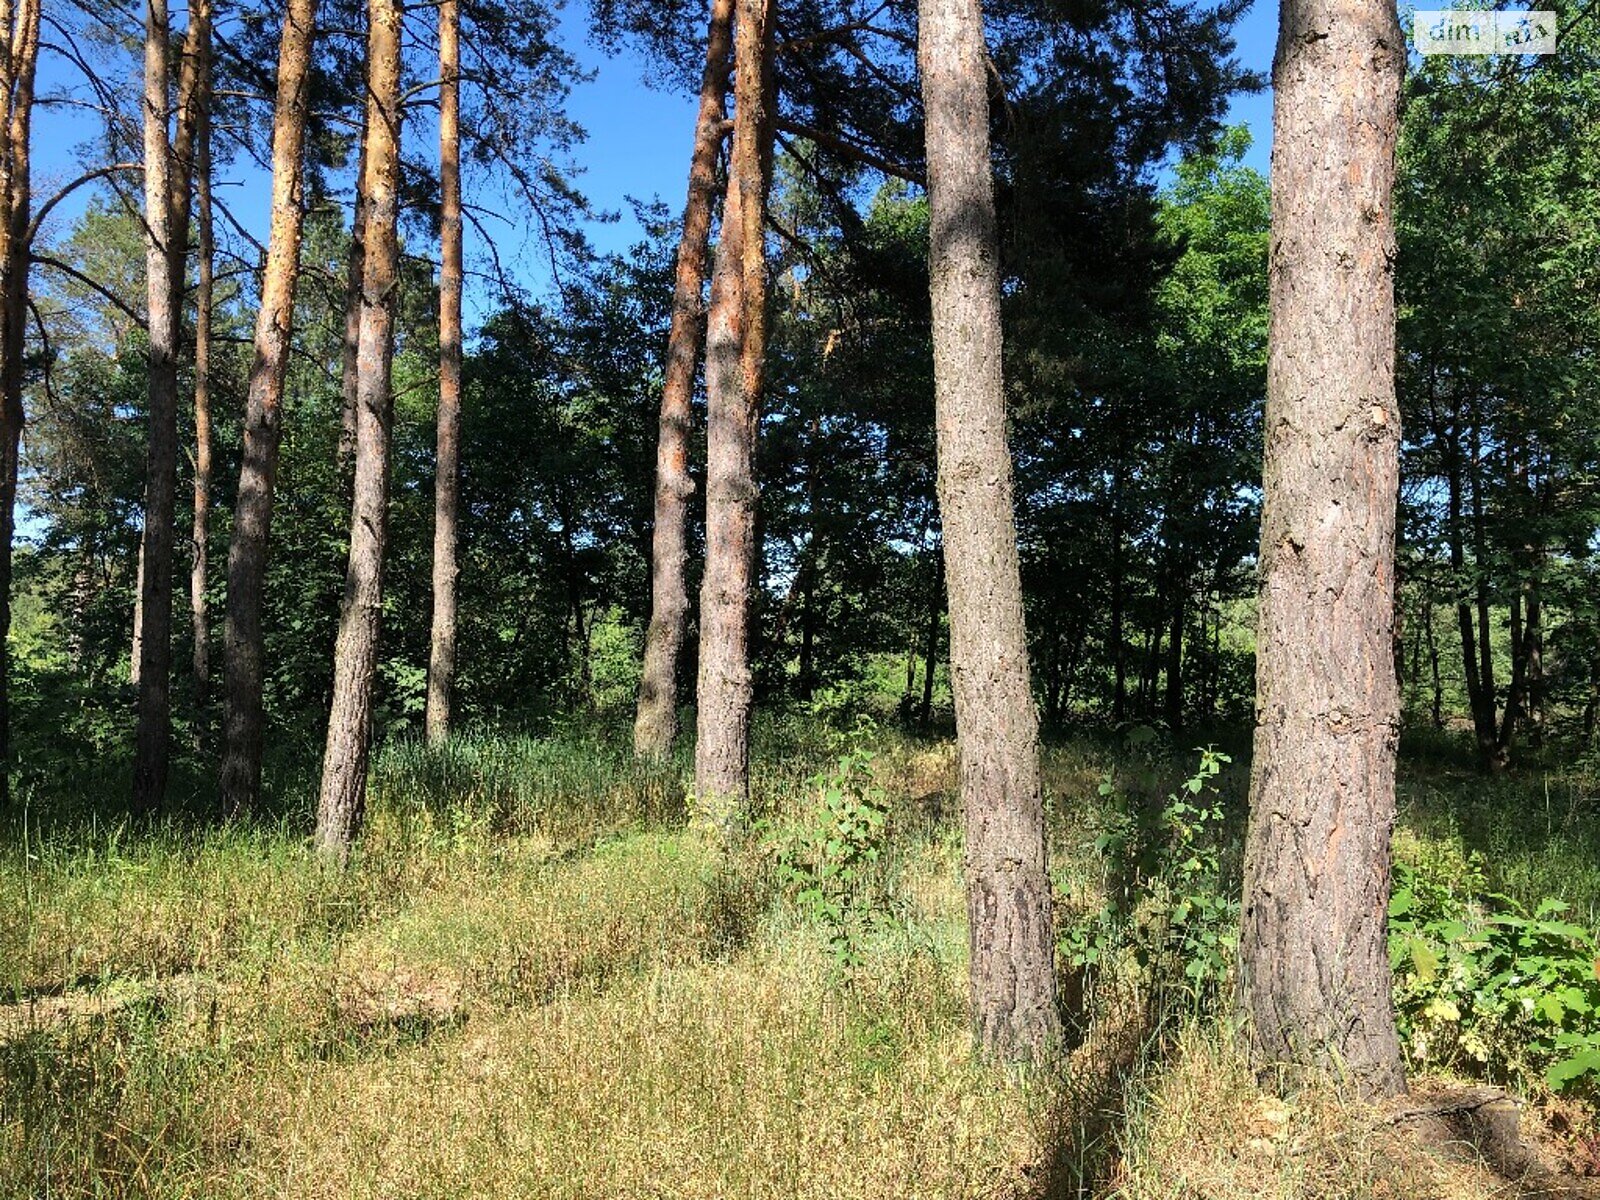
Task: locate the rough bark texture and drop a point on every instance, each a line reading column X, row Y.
column 153, row 633
column 244, row 719
column 1315, row 972
column 655, row 725
column 355, row 658
column 206, row 250
column 21, row 25
column 1013, row 993
column 735, row 348
column 355, row 272
column 447, row 486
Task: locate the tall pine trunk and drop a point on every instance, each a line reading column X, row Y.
column 655, row 725
column 20, row 24
column 342, row 803
column 735, row 351
column 153, row 621
column 245, row 720
column 447, row 485
column 1315, row 979
column 1012, row 984
column 355, row 272
column 205, row 247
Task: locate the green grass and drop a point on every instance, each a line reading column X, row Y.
column 532, row 980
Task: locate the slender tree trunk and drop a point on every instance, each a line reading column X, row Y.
column 735, row 353
column 655, row 725
column 807, row 684
column 20, row 24
column 1534, row 637
column 1175, row 659
column 244, row 721
column 1511, row 717
column 168, row 169
column 1315, row 981
column 1428, row 633
column 344, row 764
column 355, row 272
column 1151, row 669
column 1012, row 986
column 153, row 632
column 1117, row 637
column 447, row 486
column 136, row 658
column 200, row 535
column 1480, row 701
column 931, row 654
column 1490, row 751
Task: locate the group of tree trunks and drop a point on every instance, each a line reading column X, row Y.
column 1314, row 981
column 1314, row 972
column 176, row 168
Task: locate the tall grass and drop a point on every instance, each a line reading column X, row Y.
column 534, row 980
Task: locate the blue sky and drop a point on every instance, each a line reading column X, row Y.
column 638, row 138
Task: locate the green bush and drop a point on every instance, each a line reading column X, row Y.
column 1482, row 983
column 1166, row 900
column 827, row 864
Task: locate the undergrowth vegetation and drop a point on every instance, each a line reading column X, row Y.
column 533, row 979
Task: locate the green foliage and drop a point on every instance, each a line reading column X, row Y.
column 828, row 864
column 1167, row 901
column 1483, row 983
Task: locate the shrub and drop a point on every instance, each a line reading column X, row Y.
column 1482, row 983
column 1166, row 900
column 828, row 863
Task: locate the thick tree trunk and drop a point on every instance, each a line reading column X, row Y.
column 1012, row 983
column 200, row 533
column 655, row 725
column 21, row 26
column 447, row 486
column 243, row 642
column 344, row 763
column 735, row 352
column 1315, row 980
column 153, row 622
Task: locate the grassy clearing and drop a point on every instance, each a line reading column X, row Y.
column 532, row 981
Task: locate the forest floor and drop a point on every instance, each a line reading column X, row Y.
column 532, row 981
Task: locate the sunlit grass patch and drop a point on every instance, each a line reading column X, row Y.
column 526, row 930
column 79, row 910
column 754, row 1077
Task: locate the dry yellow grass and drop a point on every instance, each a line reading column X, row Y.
column 742, row 1079
column 519, row 1023
column 487, row 1007
column 1201, row 1129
